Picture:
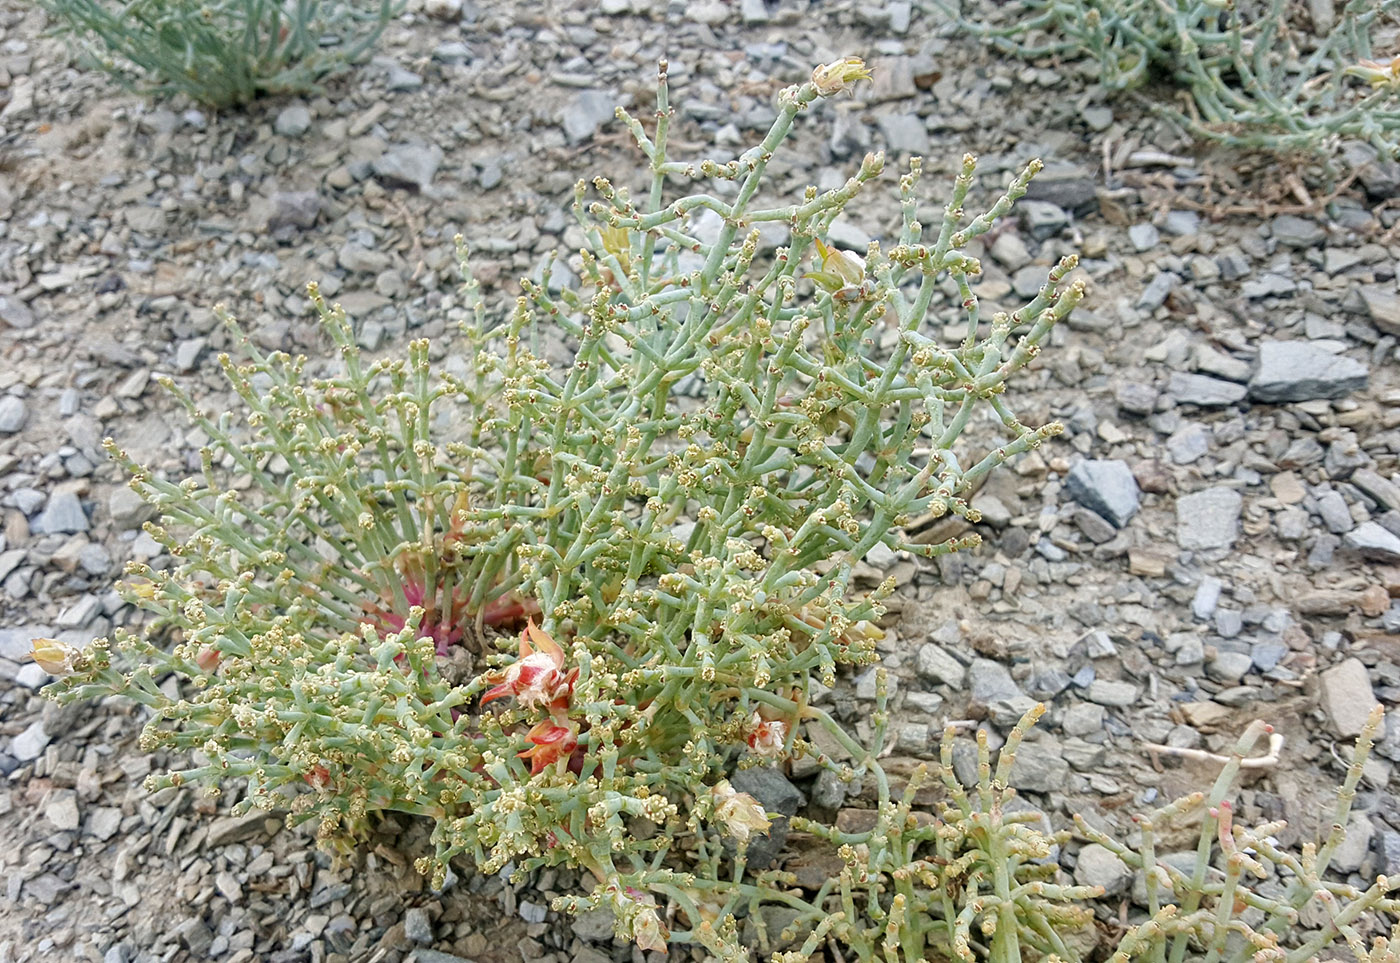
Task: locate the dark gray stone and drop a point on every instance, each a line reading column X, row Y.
column 779, row 798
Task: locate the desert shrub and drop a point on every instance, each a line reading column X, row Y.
column 222, row 52
column 560, row 611
column 1258, row 73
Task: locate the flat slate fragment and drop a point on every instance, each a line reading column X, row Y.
column 1302, row 371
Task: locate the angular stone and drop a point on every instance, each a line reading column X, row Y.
column 1106, row 487
column 1382, row 489
column 1345, row 694
column 936, row 665
column 1107, row 692
column 1208, row 519
column 62, row 515
column 413, row 165
column 1302, row 371
column 1374, row 542
column 1096, row 865
column 1204, row 391
column 1382, row 306
column 586, row 113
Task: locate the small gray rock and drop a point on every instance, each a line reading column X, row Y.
column 1208, row 519
column 779, row 798
column 1229, row 667
column 1204, row 391
column 1332, row 507
column 16, row 313
column 1144, row 236
column 13, row 414
column 417, row 926
column 1374, row 542
column 292, row 121
column 1040, row 767
column 1106, row 487
column 63, row 514
column 1207, row 597
column 1298, row 232
column 1345, row 693
column 990, row 682
column 1302, row 371
column 1096, row 865
column 589, row 110
column 127, row 509
column 412, row 165
column 1107, row 692
column 936, row 665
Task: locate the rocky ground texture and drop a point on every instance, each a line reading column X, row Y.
column 1215, row 538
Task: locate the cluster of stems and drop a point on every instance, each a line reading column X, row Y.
column 1257, row 77
column 352, row 565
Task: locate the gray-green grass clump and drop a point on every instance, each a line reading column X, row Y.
column 221, row 53
column 1256, row 73
column 353, row 562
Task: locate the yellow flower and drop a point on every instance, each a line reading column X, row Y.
column 836, row 76
column 55, row 657
column 840, row 269
column 1378, row 74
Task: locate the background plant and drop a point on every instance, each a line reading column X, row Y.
column 349, row 562
column 1256, row 74
column 221, row 52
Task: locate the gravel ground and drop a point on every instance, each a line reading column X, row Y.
column 1215, row 538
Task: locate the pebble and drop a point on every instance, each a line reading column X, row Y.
column 1374, row 542
column 588, row 111
column 1208, row 519
column 1107, row 487
column 292, row 121
column 1302, row 371
column 937, row 666
column 417, row 926
column 1229, row 667
column 1294, row 231
column 13, row 414
column 1346, row 696
column 1107, row 692
column 1096, row 865
column 780, row 800
column 1144, row 236
column 1204, row 391
column 63, row 514
column 16, row 314
column 413, row 165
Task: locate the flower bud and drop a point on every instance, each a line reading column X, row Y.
column 836, row 76
column 1377, row 74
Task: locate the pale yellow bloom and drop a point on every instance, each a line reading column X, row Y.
column 836, row 76
column 55, row 657
column 1378, row 74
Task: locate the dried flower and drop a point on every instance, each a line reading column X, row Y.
column 741, row 814
column 767, row 736
column 55, row 657
column 836, row 76
column 535, row 679
column 207, row 658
